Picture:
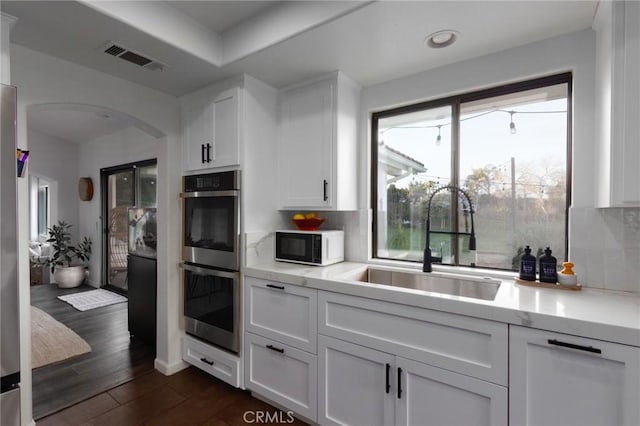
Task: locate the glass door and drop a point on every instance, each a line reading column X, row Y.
column 123, row 187
column 120, row 197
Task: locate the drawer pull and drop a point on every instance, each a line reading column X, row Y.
column 206, row 361
column 279, row 287
column 273, row 348
column 574, row 346
column 325, row 196
column 388, row 385
column 399, row 383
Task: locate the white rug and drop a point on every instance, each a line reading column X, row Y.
column 86, row 300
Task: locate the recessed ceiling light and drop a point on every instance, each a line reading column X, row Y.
column 441, row 38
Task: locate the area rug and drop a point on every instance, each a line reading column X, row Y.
column 52, row 341
column 92, row 299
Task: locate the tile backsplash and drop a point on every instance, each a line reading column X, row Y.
column 355, row 226
column 605, row 246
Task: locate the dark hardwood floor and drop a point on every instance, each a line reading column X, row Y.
column 114, row 358
column 190, row 398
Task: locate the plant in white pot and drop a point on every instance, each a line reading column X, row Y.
column 66, row 274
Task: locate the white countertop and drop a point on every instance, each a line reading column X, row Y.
column 597, row 314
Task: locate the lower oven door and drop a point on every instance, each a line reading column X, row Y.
column 212, row 305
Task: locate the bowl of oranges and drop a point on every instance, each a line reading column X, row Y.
column 307, row 221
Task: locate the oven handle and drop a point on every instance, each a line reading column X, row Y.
column 233, row 193
column 207, row 271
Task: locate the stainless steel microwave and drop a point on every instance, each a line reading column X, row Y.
column 310, row 247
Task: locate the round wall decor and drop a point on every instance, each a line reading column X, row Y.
column 85, row 188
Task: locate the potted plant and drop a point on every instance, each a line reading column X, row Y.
column 65, row 274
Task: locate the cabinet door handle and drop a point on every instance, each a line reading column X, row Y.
column 202, row 153
column 324, row 189
column 399, row 383
column 279, row 287
column 574, row 346
column 206, row 361
column 388, row 384
column 273, row 348
column 208, row 153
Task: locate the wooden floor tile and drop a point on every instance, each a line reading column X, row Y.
column 89, row 409
column 190, row 381
column 139, row 410
column 114, row 359
column 188, row 398
column 245, row 411
column 199, row 407
column 138, row 388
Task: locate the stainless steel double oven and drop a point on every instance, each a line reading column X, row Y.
column 211, row 257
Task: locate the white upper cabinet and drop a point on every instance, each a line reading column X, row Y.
column 618, row 103
column 317, row 145
column 211, row 129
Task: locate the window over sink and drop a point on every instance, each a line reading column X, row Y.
column 508, row 147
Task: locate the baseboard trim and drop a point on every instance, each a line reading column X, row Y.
column 169, row 369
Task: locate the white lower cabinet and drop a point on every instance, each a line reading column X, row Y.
column 471, row 346
column 283, row 374
column 559, row 379
column 382, row 363
column 433, row 396
column 280, row 359
column 354, row 384
column 362, row 386
column 218, row 363
column 284, row 312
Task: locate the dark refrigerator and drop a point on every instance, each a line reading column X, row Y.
column 10, row 318
column 141, row 274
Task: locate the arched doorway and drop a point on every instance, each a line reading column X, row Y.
column 68, row 141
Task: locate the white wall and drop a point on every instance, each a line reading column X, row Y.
column 259, row 157
column 125, row 146
column 604, row 244
column 57, row 160
column 6, row 24
column 44, row 79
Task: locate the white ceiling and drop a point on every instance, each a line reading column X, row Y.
column 79, row 123
column 283, row 42
column 219, row 16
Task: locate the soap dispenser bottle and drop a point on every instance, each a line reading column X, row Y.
column 527, row 265
column 548, row 267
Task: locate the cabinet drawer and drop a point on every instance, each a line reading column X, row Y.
column 286, row 313
column 283, row 374
column 220, row 364
column 469, row 346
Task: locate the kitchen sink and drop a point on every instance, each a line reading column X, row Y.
column 477, row 288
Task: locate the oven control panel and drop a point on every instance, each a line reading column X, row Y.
column 221, row 181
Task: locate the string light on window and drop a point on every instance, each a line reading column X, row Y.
column 512, row 125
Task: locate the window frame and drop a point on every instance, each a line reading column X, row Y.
column 455, row 102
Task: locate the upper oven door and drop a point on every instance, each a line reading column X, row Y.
column 211, row 234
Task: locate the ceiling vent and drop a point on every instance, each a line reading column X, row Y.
column 126, row 54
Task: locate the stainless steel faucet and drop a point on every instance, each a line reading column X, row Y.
column 427, row 259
